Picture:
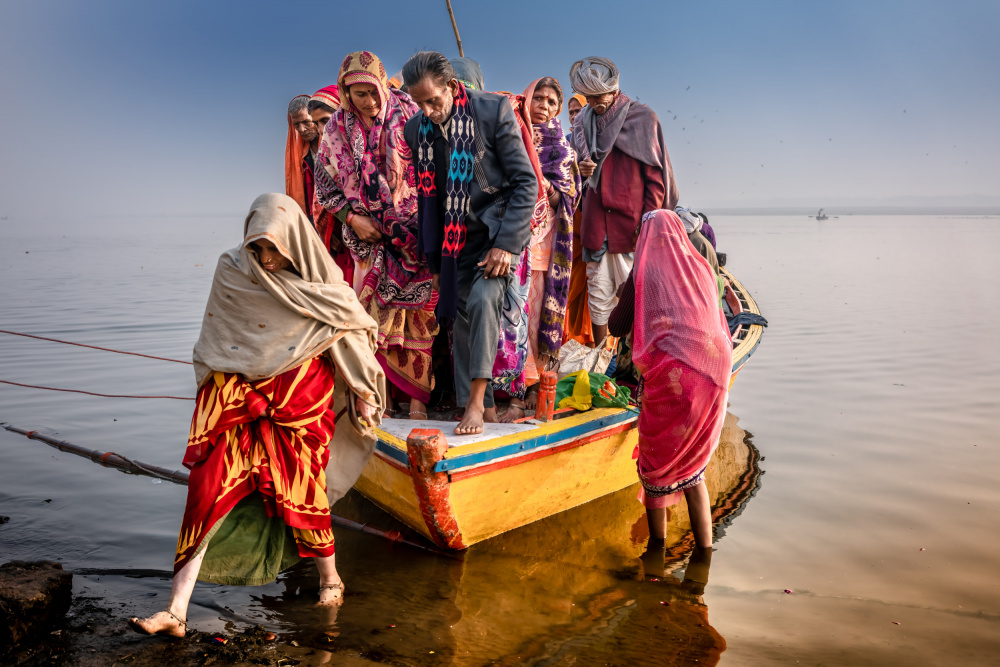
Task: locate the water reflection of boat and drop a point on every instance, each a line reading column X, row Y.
column 567, row 589
column 458, row 491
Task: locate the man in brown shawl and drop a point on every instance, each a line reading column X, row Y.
column 627, row 172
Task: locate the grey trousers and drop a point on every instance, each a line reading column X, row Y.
column 477, row 328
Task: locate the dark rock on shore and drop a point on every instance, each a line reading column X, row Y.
column 34, row 597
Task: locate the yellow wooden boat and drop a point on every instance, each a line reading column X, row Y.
column 460, row 490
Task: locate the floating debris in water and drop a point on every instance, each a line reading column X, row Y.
column 788, row 590
column 221, row 641
column 665, row 604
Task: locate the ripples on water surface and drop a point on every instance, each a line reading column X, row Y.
column 874, row 400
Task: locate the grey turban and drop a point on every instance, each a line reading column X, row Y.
column 594, row 76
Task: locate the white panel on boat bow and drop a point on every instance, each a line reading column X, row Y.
column 401, row 429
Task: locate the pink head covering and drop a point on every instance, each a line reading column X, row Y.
column 330, row 96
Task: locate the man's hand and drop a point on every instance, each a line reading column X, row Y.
column 497, row 263
column 587, row 168
column 365, row 228
column 366, row 411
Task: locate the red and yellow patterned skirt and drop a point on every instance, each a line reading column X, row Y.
column 261, row 443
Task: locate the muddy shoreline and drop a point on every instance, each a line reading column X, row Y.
column 94, row 633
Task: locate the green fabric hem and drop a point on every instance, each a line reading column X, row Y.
column 246, row 547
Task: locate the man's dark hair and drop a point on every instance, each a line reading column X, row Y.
column 316, row 104
column 425, row 64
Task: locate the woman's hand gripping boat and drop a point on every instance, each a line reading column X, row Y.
column 459, row 490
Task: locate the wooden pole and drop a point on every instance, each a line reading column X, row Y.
column 455, row 28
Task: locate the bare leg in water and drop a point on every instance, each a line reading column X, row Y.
column 173, row 621
column 700, row 511
column 475, row 413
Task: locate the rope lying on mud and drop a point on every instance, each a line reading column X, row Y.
column 92, row 393
column 94, row 347
column 133, row 467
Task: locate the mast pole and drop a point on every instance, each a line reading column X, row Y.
column 455, row 28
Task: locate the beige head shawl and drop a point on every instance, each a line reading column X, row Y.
column 260, row 324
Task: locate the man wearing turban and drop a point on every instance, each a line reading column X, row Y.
column 624, row 161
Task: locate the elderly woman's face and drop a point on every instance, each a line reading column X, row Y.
column 269, row 256
column 365, row 98
column 601, row 103
column 544, row 105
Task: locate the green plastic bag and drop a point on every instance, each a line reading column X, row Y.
column 583, row 390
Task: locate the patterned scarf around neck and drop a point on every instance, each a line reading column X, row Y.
column 461, row 144
column 368, row 167
column 559, row 166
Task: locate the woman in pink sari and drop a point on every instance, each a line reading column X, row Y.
column 369, row 185
column 684, row 352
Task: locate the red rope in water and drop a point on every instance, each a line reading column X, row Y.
column 95, row 347
column 91, row 393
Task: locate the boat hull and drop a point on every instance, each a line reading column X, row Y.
column 458, row 496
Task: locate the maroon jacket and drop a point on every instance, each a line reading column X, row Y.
column 628, row 189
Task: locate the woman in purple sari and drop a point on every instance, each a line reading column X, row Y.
column 552, row 241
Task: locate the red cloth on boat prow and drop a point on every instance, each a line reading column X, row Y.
column 269, row 436
column 683, row 349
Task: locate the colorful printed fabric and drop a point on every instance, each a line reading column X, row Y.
column 267, row 436
column 513, row 347
column 683, row 350
column 461, row 144
column 559, row 166
column 405, row 340
column 370, row 169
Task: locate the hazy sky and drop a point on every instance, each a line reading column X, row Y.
column 178, row 107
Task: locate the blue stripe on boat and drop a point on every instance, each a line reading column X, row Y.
column 541, row 441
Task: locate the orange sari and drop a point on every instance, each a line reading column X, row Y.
column 268, row 436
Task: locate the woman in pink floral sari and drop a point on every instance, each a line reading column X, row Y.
column 371, row 188
column 683, row 349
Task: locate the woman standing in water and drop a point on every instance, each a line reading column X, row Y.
column 279, row 325
column 684, row 352
column 552, row 240
column 372, row 190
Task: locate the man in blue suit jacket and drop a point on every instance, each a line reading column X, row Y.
column 501, row 198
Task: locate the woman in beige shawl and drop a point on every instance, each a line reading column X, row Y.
column 279, row 326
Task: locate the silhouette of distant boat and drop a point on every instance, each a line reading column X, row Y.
column 821, row 215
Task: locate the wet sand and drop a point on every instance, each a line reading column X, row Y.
column 873, row 402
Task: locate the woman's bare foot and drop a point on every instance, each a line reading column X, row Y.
column 531, row 399
column 512, row 413
column 472, row 421
column 160, row 623
column 331, row 594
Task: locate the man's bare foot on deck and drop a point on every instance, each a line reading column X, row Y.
column 160, row 623
column 472, row 421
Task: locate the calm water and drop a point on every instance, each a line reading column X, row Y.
column 874, row 401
